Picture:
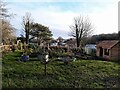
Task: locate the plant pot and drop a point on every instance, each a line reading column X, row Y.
column 25, row 57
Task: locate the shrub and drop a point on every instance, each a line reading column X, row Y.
column 59, row 54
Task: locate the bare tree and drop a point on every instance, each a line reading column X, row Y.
column 82, row 28
column 6, row 29
column 3, row 10
column 27, row 22
column 7, row 32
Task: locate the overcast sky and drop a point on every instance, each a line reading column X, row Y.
column 58, row 15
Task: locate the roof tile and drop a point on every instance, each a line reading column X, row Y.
column 107, row 43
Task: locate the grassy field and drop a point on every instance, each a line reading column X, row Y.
column 77, row 74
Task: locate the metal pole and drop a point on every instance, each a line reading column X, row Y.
column 45, row 68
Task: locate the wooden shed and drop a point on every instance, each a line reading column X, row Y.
column 109, row 49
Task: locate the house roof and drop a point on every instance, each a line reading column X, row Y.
column 70, row 41
column 107, row 43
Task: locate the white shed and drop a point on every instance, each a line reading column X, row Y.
column 90, row 49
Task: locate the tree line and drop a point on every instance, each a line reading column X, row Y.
column 97, row 38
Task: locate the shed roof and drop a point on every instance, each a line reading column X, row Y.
column 90, row 45
column 107, row 43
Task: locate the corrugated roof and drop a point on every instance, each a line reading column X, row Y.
column 107, row 43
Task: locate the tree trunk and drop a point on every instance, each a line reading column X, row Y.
column 27, row 29
column 77, row 38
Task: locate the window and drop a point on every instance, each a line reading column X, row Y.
column 106, row 51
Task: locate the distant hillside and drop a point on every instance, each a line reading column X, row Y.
column 96, row 38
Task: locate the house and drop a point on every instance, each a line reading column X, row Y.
column 71, row 43
column 90, row 49
column 60, row 41
column 53, row 43
column 109, row 49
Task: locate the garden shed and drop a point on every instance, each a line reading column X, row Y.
column 90, row 49
column 109, row 49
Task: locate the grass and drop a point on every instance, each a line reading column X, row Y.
column 77, row 74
